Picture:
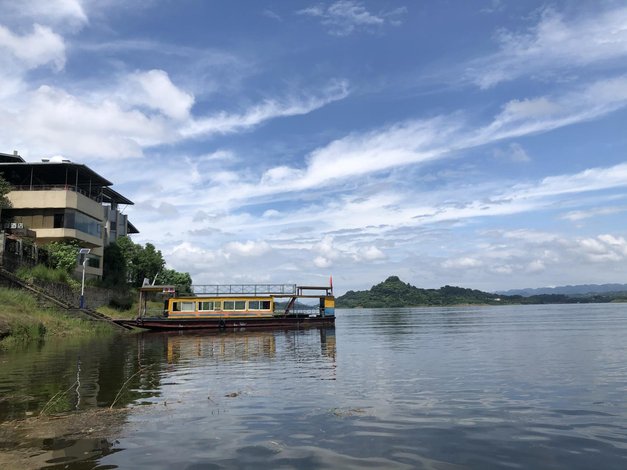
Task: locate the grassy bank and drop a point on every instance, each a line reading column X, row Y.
column 22, row 321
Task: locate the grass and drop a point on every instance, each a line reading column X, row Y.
column 42, row 273
column 23, row 321
column 125, row 314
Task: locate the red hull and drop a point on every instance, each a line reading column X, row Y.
column 227, row 324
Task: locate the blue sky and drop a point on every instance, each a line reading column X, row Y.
column 480, row 144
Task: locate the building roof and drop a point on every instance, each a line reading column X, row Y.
column 109, row 195
column 52, row 173
column 10, row 157
column 130, row 228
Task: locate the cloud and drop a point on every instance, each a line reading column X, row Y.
column 514, row 152
column 55, row 12
column 602, row 249
column 41, row 47
column 546, row 113
column 142, row 110
column 554, row 44
column 345, row 17
column 576, row 216
column 464, row 262
column 272, row 15
column 248, row 248
column 55, row 122
column 225, row 123
column 154, row 89
column 418, row 142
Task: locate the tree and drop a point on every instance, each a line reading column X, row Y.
column 148, row 263
column 129, row 263
column 182, row 281
column 114, row 272
column 142, row 262
column 63, row 255
column 5, row 189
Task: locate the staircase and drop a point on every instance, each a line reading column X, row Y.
column 46, row 296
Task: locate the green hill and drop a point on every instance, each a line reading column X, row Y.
column 395, row 293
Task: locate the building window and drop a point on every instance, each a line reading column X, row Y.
column 58, row 220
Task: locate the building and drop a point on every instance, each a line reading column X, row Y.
column 56, row 200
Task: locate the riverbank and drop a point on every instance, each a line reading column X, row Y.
column 23, row 320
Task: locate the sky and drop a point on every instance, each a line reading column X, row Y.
column 480, row 143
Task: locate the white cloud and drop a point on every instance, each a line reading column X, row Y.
column 553, row 44
column 53, row 121
column 370, row 253
column 322, row 262
column 462, row 263
column 421, row 141
column 345, row 17
column 224, row 123
column 576, row 216
column 536, row 266
column 514, row 152
column 602, row 249
column 248, row 248
column 41, row 47
column 155, row 90
column 56, row 12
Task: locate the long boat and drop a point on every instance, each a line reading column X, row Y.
column 234, row 306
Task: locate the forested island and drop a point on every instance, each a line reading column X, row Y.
column 395, row 293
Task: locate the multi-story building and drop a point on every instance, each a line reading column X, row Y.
column 57, row 200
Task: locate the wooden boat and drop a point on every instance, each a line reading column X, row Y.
column 234, row 307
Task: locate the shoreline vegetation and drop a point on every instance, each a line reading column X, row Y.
column 393, row 293
column 23, row 320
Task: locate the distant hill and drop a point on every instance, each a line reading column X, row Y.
column 395, row 293
column 578, row 290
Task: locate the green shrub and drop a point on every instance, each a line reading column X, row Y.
column 43, row 273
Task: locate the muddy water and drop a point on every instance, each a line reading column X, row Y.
column 522, row 387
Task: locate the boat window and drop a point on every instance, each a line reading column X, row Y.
column 188, row 306
column 259, row 305
column 204, row 306
column 218, row 305
column 234, row 305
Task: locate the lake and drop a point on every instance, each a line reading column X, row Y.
column 434, row 388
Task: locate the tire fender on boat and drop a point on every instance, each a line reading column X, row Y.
column 222, row 324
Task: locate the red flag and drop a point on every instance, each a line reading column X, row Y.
column 331, row 282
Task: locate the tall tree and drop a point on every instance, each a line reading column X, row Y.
column 182, row 281
column 148, row 263
column 5, row 189
column 114, row 270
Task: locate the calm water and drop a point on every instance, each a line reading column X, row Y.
column 434, row 388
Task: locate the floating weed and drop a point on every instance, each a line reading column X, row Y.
column 347, row 412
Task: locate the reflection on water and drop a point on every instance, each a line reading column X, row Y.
column 242, row 345
column 438, row 388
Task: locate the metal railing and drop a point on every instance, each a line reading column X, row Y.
column 245, row 289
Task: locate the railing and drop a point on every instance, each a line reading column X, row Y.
column 245, row 289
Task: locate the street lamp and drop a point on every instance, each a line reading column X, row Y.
column 83, row 252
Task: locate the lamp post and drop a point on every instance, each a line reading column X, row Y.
column 83, row 252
